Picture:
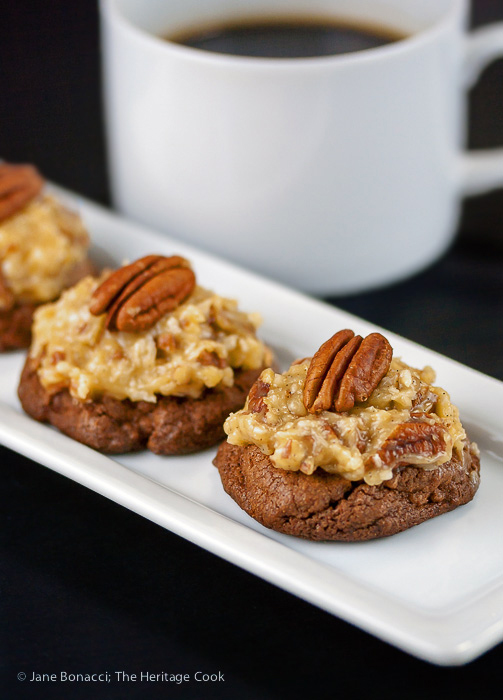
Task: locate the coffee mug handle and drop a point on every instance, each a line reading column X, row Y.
column 482, row 170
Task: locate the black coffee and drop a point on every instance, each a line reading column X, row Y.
column 290, row 38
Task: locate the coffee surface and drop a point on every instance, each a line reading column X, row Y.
column 292, row 38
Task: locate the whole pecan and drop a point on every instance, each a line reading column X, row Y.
column 346, row 370
column 426, row 441
column 136, row 296
column 19, row 184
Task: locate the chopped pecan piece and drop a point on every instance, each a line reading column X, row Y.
column 413, row 439
column 207, row 358
column 136, row 296
column 167, row 342
column 346, row 370
column 424, row 402
column 256, row 403
column 58, row 356
column 19, row 184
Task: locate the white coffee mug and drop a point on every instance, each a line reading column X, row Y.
column 333, row 174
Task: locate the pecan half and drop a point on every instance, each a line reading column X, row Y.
column 368, row 366
column 136, row 296
column 346, row 370
column 413, row 440
column 19, row 184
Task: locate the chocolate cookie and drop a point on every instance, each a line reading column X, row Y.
column 15, row 327
column 324, row 506
column 172, row 425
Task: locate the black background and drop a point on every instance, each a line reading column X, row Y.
column 88, row 586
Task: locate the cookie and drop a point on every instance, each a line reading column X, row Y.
column 351, row 444
column 324, row 506
column 142, row 357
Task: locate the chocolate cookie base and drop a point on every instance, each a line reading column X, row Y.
column 171, row 426
column 324, row 506
column 15, row 327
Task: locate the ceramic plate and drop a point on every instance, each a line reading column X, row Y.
column 435, row 591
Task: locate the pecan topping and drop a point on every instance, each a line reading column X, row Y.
column 136, row 296
column 346, row 370
column 19, row 184
column 413, row 439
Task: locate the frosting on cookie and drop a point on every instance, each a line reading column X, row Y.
column 405, row 420
column 197, row 346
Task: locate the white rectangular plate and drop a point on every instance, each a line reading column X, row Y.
column 435, row 591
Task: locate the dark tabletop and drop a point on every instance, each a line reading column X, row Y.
column 88, row 586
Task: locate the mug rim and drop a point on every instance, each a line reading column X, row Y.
column 457, row 8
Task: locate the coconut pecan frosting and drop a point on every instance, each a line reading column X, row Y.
column 352, row 409
column 142, row 331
